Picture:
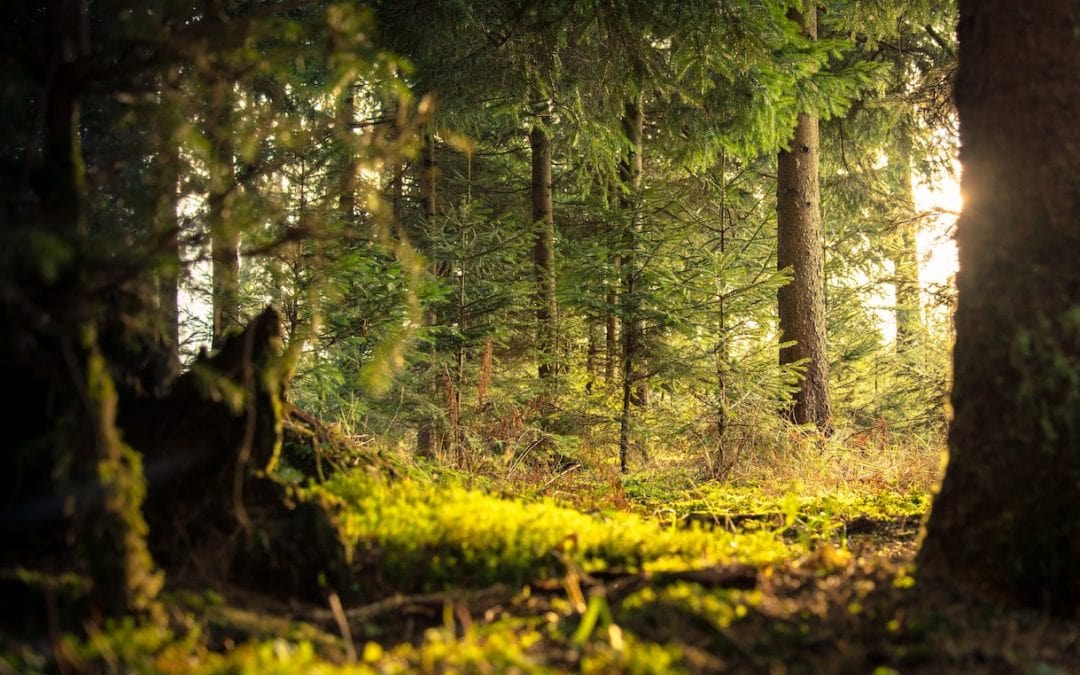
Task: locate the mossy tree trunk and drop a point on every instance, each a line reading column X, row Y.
column 801, row 249
column 101, row 475
column 1007, row 520
column 611, row 333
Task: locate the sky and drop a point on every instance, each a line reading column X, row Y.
column 937, row 250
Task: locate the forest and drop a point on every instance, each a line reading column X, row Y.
column 540, row 336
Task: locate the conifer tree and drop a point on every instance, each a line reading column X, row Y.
column 802, row 302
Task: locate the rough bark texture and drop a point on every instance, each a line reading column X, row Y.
column 802, row 302
column 592, row 354
column 630, row 173
column 1007, row 520
column 543, row 214
column 426, row 178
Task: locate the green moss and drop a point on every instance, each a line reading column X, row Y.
column 426, row 536
column 124, row 574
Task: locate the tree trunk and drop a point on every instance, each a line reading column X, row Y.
column 592, row 354
column 346, row 116
column 102, row 477
column 1006, row 522
column 611, row 335
column 167, row 233
column 630, row 173
column 723, row 354
column 800, row 248
column 224, row 235
column 905, row 255
column 429, row 438
column 543, row 214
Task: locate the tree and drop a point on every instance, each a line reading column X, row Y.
column 543, row 214
column 802, row 302
column 124, row 103
column 905, row 253
column 1007, row 520
column 57, row 315
column 631, row 171
column 224, row 234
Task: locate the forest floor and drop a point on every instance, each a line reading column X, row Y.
column 588, row 571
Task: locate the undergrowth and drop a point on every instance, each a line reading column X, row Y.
column 581, row 569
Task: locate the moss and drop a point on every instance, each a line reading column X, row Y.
column 429, row 536
column 1047, row 360
column 124, row 575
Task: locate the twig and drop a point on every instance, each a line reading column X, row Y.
column 359, row 615
column 343, row 626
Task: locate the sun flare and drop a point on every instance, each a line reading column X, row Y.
column 941, row 202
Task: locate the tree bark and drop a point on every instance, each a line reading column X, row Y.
column 346, row 115
column 592, row 354
column 224, row 235
column 611, row 335
column 905, row 255
column 167, row 232
column 634, row 392
column 543, row 214
column 800, row 249
column 429, row 438
column 723, row 347
column 96, row 471
column 1006, row 523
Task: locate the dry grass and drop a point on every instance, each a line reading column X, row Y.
column 852, row 461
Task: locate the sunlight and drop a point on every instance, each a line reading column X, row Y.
column 941, row 201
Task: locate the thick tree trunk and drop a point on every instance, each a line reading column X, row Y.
column 426, row 179
column 100, row 477
column 1006, row 522
column 800, row 249
column 635, row 391
column 543, row 214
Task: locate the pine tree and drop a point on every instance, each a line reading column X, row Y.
column 802, row 302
